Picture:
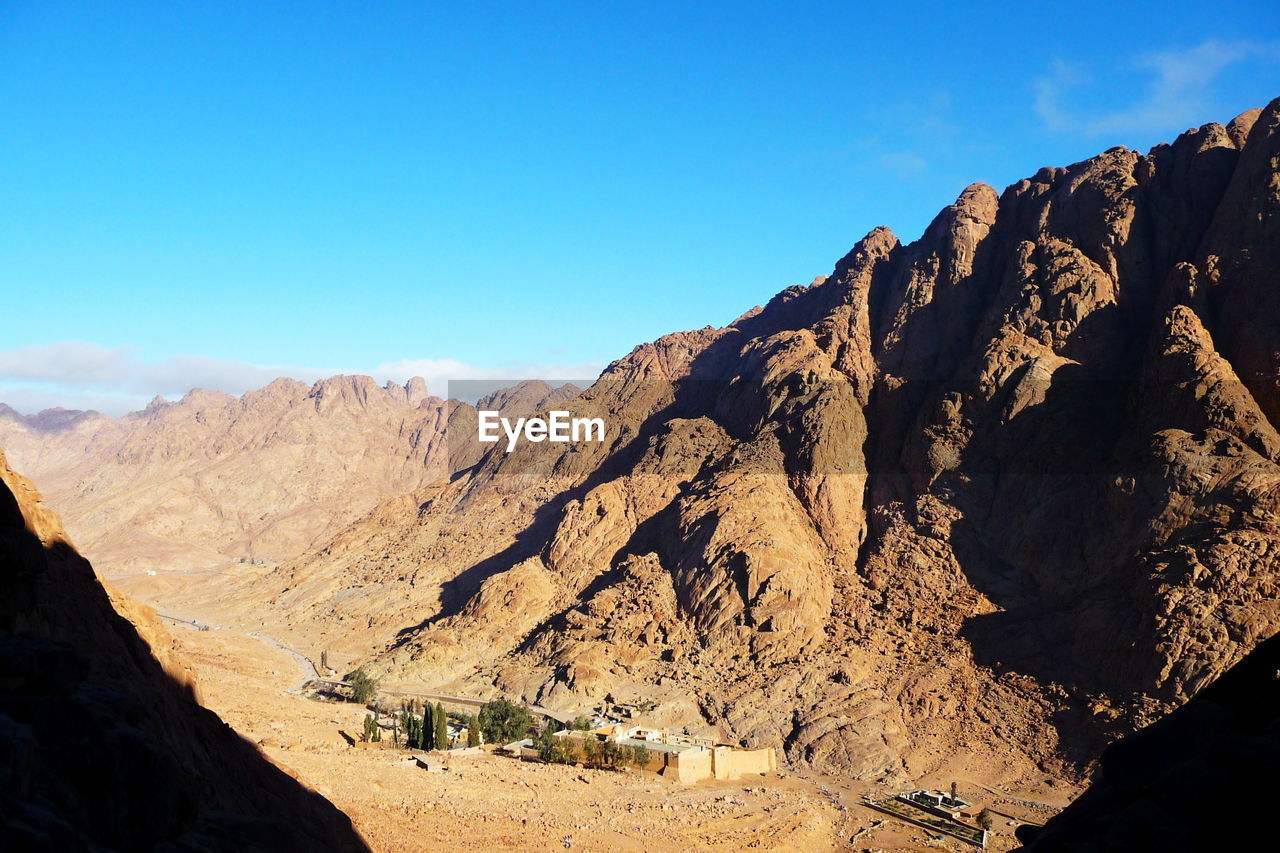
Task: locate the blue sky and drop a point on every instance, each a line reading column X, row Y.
column 216, row 193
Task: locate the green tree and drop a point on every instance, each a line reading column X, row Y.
column 473, row 731
column 592, row 752
column 442, row 728
column 985, row 821
column 428, row 727
column 411, row 724
column 542, row 740
column 580, row 724
column 557, row 750
column 364, row 687
column 372, row 732
column 503, row 721
column 611, row 754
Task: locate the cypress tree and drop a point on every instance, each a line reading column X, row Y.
column 442, row 728
column 473, row 731
column 428, row 727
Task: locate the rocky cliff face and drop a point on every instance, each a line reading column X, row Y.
column 213, row 478
column 102, row 742
column 1004, row 491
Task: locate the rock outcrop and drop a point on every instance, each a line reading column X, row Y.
column 103, row 745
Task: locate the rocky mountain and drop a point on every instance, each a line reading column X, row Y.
column 530, row 395
column 47, row 421
column 1186, row 782
column 103, row 744
column 997, row 494
column 213, row 478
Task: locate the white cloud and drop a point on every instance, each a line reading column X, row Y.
column 115, row 380
column 1179, row 90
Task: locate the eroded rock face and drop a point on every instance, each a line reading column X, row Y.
column 103, row 744
column 1010, row 489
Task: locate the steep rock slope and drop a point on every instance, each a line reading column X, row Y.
column 213, row 478
column 1002, row 492
column 103, row 745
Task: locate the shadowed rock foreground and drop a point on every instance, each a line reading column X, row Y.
column 1192, row 781
column 103, row 745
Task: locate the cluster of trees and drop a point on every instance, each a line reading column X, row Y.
column 589, row 751
column 364, row 687
column 372, row 733
column 502, row 721
column 424, row 727
column 421, row 725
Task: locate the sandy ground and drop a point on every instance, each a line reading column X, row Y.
column 494, row 802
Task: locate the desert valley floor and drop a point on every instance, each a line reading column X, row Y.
column 493, row 802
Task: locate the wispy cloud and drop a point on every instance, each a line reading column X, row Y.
column 904, row 164
column 907, row 128
column 115, row 380
column 1179, row 89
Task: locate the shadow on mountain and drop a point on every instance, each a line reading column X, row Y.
column 1196, row 780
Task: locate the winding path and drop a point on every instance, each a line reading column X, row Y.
column 309, row 671
column 305, row 665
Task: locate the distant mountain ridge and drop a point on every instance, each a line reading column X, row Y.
column 211, row 478
column 56, row 419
